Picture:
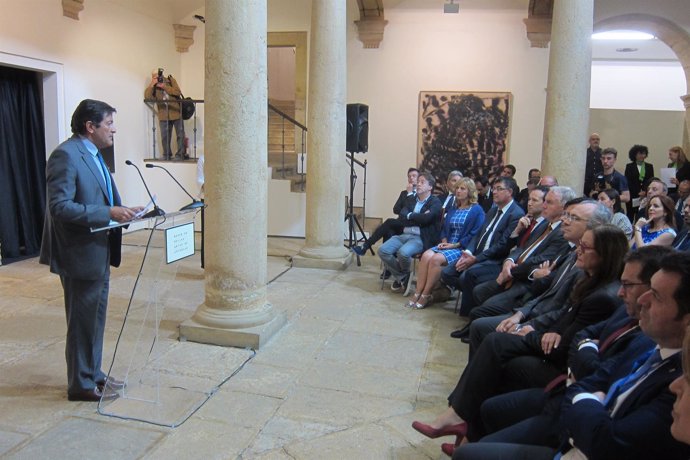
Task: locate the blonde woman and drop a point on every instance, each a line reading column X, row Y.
column 461, row 224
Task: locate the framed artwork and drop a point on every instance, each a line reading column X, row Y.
column 467, row 131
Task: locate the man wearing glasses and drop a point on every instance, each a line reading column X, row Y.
column 481, row 260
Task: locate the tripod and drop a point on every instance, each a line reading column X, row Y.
column 350, row 216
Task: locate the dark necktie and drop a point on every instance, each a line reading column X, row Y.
column 615, row 335
column 527, row 252
column 106, row 177
column 489, row 229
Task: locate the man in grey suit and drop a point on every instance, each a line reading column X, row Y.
column 82, row 195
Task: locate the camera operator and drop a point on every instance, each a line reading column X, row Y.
column 167, row 92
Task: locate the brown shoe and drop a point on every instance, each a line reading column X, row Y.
column 93, row 395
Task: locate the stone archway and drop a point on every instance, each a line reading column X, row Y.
column 674, row 36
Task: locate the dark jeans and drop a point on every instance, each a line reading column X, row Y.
column 166, row 133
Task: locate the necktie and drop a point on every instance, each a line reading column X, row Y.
column 527, row 233
column 106, row 176
column 483, row 240
column 526, row 253
column 615, row 335
column 620, row 386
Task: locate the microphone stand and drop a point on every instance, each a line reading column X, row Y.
column 156, row 211
column 194, row 204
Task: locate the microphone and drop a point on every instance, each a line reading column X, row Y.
column 156, row 211
column 194, row 204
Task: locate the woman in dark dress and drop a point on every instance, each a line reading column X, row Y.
column 637, row 172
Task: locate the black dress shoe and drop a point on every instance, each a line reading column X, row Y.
column 463, row 333
column 465, row 340
column 112, row 384
column 93, row 395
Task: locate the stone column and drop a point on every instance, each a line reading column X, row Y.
column 235, row 311
column 567, row 95
column 686, row 128
column 326, row 171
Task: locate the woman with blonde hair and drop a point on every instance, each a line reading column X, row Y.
column 461, row 224
column 679, row 161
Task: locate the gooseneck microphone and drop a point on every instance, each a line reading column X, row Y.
column 156, row 211
column 194, row 204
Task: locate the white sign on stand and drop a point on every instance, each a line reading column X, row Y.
column 179, row 242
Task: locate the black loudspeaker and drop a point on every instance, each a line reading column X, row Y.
column 357, row 128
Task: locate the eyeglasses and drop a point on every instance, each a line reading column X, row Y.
column 625, row 285
column 584, row 247
column 498, row 189
column 572, row 217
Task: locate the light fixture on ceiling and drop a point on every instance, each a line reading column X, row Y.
column 622, row 35
column 451, row 7
column 626, row 50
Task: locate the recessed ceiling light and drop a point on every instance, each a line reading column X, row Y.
column 626, row 50
column 622, row 35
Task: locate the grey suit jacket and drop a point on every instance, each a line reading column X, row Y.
column 78, row 200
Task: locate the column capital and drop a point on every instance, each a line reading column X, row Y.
column 538, row 23
column 184, row 37
column 686, row 101
column 370, row 30
column 71, row 8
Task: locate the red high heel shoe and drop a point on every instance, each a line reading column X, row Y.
column 448, row 448
column 459, row 430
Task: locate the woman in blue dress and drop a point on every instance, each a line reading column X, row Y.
column 659, row 226
column 462, row 222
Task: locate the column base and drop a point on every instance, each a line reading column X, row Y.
column 338, row 263
column 251, row 337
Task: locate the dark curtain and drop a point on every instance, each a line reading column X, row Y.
column 22, row 164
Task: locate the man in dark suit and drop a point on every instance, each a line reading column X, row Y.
column 550, row 288
column 393, row 226
column 624, row 409
column 484, row 197
column 593, row 165
column 682, row 241
column 82, row 195
column 422, row 226
column 482, row 259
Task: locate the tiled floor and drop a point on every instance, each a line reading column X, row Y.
column 342, row 380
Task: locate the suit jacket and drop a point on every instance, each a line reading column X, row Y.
column 586, row 361
column 640, row 428
column 552, row 246
column 684, row 239
column 499, row 244
column 486, row 202
column 635, row 185
column 428, row 219
column 401, row 201
column 77, row 201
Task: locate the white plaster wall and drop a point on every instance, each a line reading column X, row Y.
column 108, row 54
column 637, row 85
column 428, row 50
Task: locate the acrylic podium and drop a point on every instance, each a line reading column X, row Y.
column 160, row 380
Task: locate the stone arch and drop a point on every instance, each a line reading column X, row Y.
column 674, row 36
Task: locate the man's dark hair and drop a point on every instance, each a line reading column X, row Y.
column 412, row 169
column 512, row 168
column 482, row 180
column 542, row 189
column 679, row 262
column 429, row 178
column 529, row 173
column 610, row 151
column 89, row 110
column 635, row 149
column 649, row 257
column 509, row 183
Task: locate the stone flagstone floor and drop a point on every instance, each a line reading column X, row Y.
column 343, row 379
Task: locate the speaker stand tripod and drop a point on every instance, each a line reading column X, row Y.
column 350, row 216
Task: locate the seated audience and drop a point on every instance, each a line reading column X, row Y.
column 544, row 245
column 508, row 171
column 484, row 196
column 548, row 181
column 394, row 226
column 612, row 200
column 533, row 177
column 637, row 172
column 550, row 291
column 542, row 345
column 421, row 220
column 481, row 260
column 659, row 228
column 654, row 187
column 683, row 193
column 461, row 224
column 448, row 196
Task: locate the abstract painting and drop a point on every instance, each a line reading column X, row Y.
column 467, row 131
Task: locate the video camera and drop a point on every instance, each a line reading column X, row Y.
column 160, row 75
